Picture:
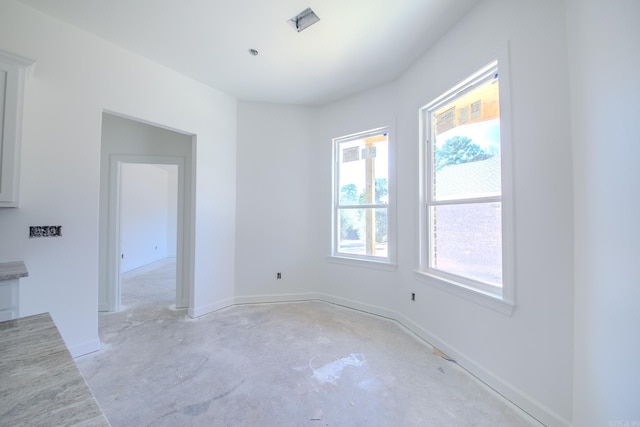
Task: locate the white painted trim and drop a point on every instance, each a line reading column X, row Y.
column 195, row 312
column 184, row 284
column 363, row 263
column 475, row 295
column 275, row 298
column 84, row 348
column 508, row 178
column 390, row 127
column 113, row 239
column 465, row 287
column 144, row 122
column 18, row 60
column 521, row 400
column 356, row 305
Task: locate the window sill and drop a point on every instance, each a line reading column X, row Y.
column 363, row 263
column 477, row 296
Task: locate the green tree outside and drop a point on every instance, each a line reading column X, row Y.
column 457, row 150
column 352, row 220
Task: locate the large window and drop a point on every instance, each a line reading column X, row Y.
column 463, row 210
column 361, row 196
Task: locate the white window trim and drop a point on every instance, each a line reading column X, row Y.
column 358, row 262
column 459, row 286
column 388, row 263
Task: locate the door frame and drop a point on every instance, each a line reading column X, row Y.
column 183, row 235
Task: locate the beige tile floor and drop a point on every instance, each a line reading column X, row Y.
column 294, row 364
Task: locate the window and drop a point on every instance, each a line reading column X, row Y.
column 465, row 235
column 361, row 196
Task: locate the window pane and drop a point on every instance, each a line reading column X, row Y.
column 363, row 231
column 466, row 240
column 363, row 175
column 466, row 145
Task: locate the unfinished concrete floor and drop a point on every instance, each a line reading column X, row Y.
column 293, row 364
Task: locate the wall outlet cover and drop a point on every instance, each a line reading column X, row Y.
column 45, row 231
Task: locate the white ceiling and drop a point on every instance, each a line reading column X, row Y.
column 356, row 45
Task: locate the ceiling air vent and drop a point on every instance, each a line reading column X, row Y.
column 303, row 20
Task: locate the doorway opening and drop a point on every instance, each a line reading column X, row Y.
column 148, row 219
column 145, row 206
column 141, row 211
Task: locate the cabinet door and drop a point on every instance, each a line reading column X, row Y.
column 13, row 69
column 9, row 303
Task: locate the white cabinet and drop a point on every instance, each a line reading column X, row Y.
column 9, row 300
column 13, row 70
column 10, row 274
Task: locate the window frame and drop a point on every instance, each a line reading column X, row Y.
column 465, row 287
column 335, row 256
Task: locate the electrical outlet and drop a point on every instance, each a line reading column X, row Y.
column 413, row 296
column 45, row 231
column 278, row 275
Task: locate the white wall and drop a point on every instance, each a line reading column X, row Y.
column 273, row 203
column 604, row 41
column 527, row 356
column 78, row 75
column 145, row 220
column 366, row 288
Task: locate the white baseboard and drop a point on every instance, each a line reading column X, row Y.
column 356, row 305
column 84, row 348
column 210, row 308
column 537, row 413
column 275, row 298
column 253, row 299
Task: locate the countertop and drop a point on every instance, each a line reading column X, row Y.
column 40, row 384
column 13, row 270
